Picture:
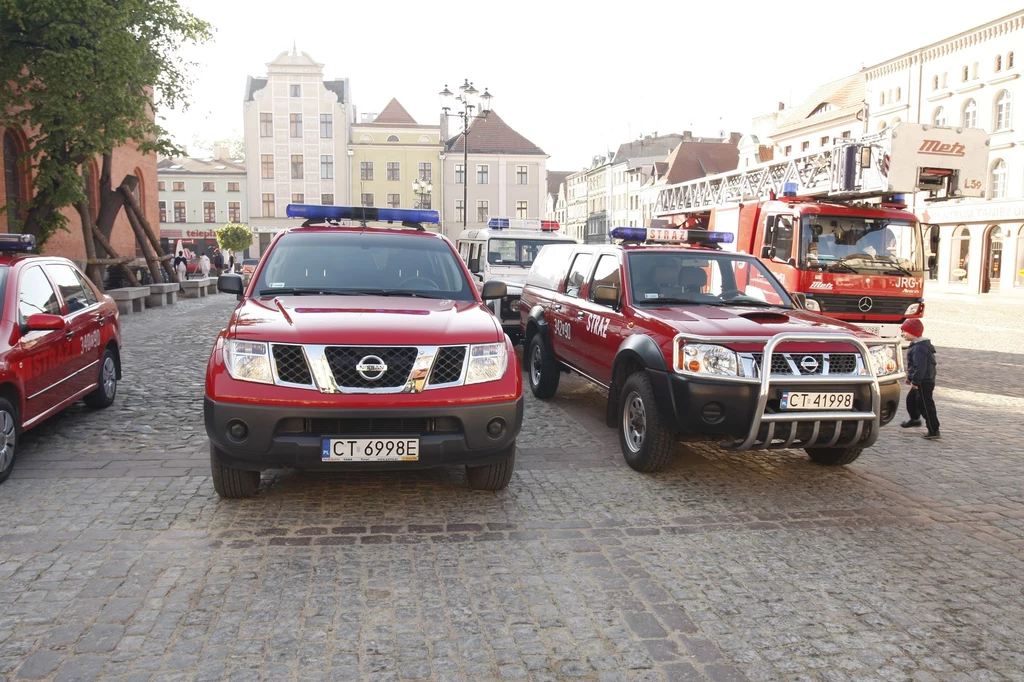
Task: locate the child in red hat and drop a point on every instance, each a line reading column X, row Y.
column 921, row 377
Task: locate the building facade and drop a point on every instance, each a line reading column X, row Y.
column 557, row 198
column 297, row 129
column 396, row 161
column 834, row 110
column 199, row 195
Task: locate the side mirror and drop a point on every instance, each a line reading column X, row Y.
column 44, row 322
column 607, row 295
column 230, row 284
column 494, row 289
column 474, row 264
column 799, row 299
column 767, row 251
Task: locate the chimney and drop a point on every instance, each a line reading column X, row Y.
column 734, row 138
column 220, row 151
column 687, row 136
column 782, row 105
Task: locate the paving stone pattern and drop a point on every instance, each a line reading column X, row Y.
column 118, row 562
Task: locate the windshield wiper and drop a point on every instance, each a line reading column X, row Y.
column 750, row 302
column 299, row 291
column 840, row 264
column 677, row 301
column 412, row 293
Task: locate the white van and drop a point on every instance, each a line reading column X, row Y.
column 504, row 251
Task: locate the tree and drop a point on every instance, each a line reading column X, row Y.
column 80, row 79
column 234, row 237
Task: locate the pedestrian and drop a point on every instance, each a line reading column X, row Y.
column 181, row 265
column 921, row 377
column 218, row 260
column 231, row 263
column 204, row 265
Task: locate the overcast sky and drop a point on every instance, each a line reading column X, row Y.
column 576, row 78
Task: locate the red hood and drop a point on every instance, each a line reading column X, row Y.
column 364, row 320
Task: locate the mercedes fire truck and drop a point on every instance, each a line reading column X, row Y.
column 834, row 224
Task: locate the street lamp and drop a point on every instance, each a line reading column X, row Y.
column 467, row 101
column 422, row 188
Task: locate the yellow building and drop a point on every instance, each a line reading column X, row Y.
column 396, row 162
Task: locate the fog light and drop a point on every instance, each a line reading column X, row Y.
column 237, row 430
column 713, row 413
column 496, row 428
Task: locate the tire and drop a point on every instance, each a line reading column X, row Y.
column 646, row 442
column 834, row 457
column 232, row 483
column 105, row 393
column 541, row 368
column 493, row 476
column 10, row 430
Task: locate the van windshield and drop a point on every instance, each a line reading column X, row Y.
column 518, row 252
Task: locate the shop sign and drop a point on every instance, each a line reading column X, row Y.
column 974, row 213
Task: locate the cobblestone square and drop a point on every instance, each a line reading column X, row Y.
column 119, row 562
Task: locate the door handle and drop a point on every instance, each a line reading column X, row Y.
column 579, row 315
column 101, row 320
column 69, row 335
column 558, row 307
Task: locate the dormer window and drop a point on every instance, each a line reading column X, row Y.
column 822, row 108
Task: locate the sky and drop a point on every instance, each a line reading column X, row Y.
column 575, row 78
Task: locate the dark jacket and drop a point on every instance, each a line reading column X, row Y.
column 921, row 361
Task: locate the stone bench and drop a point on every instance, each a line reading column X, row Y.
column 130, row 299
column 197, row 288
column 162, row 294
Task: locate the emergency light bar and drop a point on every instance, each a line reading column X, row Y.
column 360, row 213
column 524, row 223
column 17, row 242
column 670, row 235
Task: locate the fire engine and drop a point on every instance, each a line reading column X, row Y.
column 833, row 224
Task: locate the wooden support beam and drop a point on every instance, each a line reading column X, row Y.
column 131, row 203
column 147, row 248
column 93, row 270
column 111, row 261
column 128, row 274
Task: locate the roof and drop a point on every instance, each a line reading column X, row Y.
column 692, row 160
column 205, row 166
column 659, row 145
column 394, row 112
column 252, row 85
column 491, row 135
column 843, row 97
column 555, row 180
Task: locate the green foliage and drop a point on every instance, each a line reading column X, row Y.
column 236, row 237
column 80, row 79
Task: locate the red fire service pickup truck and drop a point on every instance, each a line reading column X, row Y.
column 358, row 348
column 680, row 331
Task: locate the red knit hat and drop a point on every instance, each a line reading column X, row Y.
column 914, row 327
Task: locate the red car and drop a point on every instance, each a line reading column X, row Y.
column 679, row 333
column 60, row 341
column 357, row 348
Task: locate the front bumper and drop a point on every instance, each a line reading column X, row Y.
column 280, row 437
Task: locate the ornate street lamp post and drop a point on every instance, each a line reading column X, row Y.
column 422, row 188
column 467, row 101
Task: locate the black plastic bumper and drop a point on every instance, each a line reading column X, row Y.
column 269, row 446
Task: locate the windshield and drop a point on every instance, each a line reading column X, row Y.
column 364, row 263
column 518, row 252
column 858, row 244
column 702, row 277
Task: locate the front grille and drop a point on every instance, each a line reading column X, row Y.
column 291, row 364
column 375, row 426
column 448, row 365
column 851, row 303
column 343, row 361
column 837, row 363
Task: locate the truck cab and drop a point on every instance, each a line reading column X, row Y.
column 504, row 251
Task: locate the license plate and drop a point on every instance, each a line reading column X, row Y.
column 370, row 450
column 794, row 400
column 872, row 330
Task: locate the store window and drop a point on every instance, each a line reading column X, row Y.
column 1018, row 271
column 959, row 255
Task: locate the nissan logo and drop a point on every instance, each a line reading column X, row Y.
column 865, row 304
column 371, row 368
column 809, row 364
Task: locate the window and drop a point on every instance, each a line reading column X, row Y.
column 824, row 140
column 945, row 76
column 1003, row 111
column 999, row 63
column 804, row 146
column 326, row 167
column 267, row 166
column 296, row 124
column 482, row 211
column 209, row 212
column 899, row 94
column 73, row 288
column 846, row 134
column 327, row 199
column 298, row 198
column 965, row 74
column 780, row 235
column 481, row 174
column 266, row 125
column 36, row 296
column 366, row 170
column 522, row 208
column 392, row 138
column 881, row 98
column 577, row 274
column 296, row 166
column 522, row 175
column 460, row 209
column 939, row 118
column 1018, row 280
column 179, row 211
column 606, row 274
column 970, row 114
column 326, row 125
column 974, row 73
column 460, row 174
column 393, row 170
column 161, row 186
column 935, row 82
column 426, row 171
column 295, row 90
column 178, row 186
column 1009, row 60
column 789, row 149
column 366, row 199
column 163, row 211
column 395, row 200
column 233, row 187
column 268, row 205
column 234, row 212
column 959, row 254
column 999, row 179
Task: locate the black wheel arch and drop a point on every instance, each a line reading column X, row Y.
column 535, row 323
column 639, row 352
column 112, row 347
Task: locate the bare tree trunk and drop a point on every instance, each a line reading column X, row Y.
column 140, row 237
column 111, row 200
column 92, row 270
column 128, row 274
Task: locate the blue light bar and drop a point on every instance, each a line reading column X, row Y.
column 670, row 235
column 360, row 213
column 498, row 223
column 17, row 242
column 789, row 189
column 633, row 234
column 899, row 199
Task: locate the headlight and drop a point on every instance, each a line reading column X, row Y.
column 513, row 305
column 705, row 358
column 811, row 304
column 913, row 309
column 487, row 362
column 248, row 361
column 884, row 359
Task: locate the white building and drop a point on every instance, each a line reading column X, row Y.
column 557, row 199
column 832, row 111
column 297, row 128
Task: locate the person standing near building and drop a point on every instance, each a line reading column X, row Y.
column 218, row 260
column 181, row 266
column 921, row 377
column 204, row 265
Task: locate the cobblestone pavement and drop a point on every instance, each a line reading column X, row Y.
column 118, row 562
